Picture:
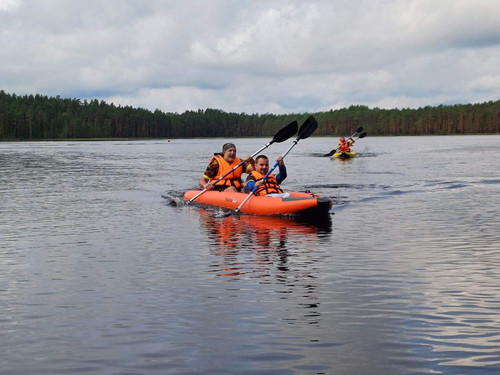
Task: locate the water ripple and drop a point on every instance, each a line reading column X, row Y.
column 100, row 274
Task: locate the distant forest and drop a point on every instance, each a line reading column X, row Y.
column 38, row 117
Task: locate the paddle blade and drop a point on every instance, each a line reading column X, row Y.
column 360, row 129
column 331, row 152
column 362, row 135
column 307, row 128
column 285, row 133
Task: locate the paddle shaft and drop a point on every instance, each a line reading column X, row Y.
column 307, row 128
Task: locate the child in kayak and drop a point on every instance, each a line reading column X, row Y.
column 345, row 145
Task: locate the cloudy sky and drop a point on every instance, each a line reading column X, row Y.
column 253, row 56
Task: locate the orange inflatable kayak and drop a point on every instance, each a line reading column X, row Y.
column 299, row 203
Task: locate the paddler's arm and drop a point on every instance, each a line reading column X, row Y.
column 282, row 173
column 250, row 184
column 210, row 173
column 249, row 164
column 204, row 183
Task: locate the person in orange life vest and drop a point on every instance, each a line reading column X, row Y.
column 344, row 145
column 271, row 184
column 222, row 163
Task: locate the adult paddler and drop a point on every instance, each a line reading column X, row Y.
column 271, row 185
column 221, row 164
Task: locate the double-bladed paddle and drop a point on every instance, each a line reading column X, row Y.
column 281, row 136
column 306, row 129
column 360, row 129
column 362, row 135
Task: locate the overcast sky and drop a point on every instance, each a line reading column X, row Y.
column 253, row 56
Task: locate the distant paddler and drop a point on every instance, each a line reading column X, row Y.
column 345, row 145
column 344, row 150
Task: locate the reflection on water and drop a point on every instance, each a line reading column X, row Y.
column 271, row 251
column 248, row 244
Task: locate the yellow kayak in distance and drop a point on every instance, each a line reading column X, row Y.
column 344, row 155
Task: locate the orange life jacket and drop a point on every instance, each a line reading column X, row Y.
column 232, row 179
column 269, row 186
column 344, row 147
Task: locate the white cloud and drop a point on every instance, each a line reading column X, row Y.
column 253, row 56
column 9, row 5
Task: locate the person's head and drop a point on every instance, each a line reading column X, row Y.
column 229, row 152
column 262, row 164
column 342, row 139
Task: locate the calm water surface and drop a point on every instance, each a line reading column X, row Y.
column 105, row 270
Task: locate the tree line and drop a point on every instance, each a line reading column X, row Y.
column 38, row 117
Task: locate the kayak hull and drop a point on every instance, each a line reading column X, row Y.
column 344, row 155
column 300, row 203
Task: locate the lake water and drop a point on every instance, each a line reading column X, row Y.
column 104, row 270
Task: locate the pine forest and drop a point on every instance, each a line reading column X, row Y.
column 38, row 117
